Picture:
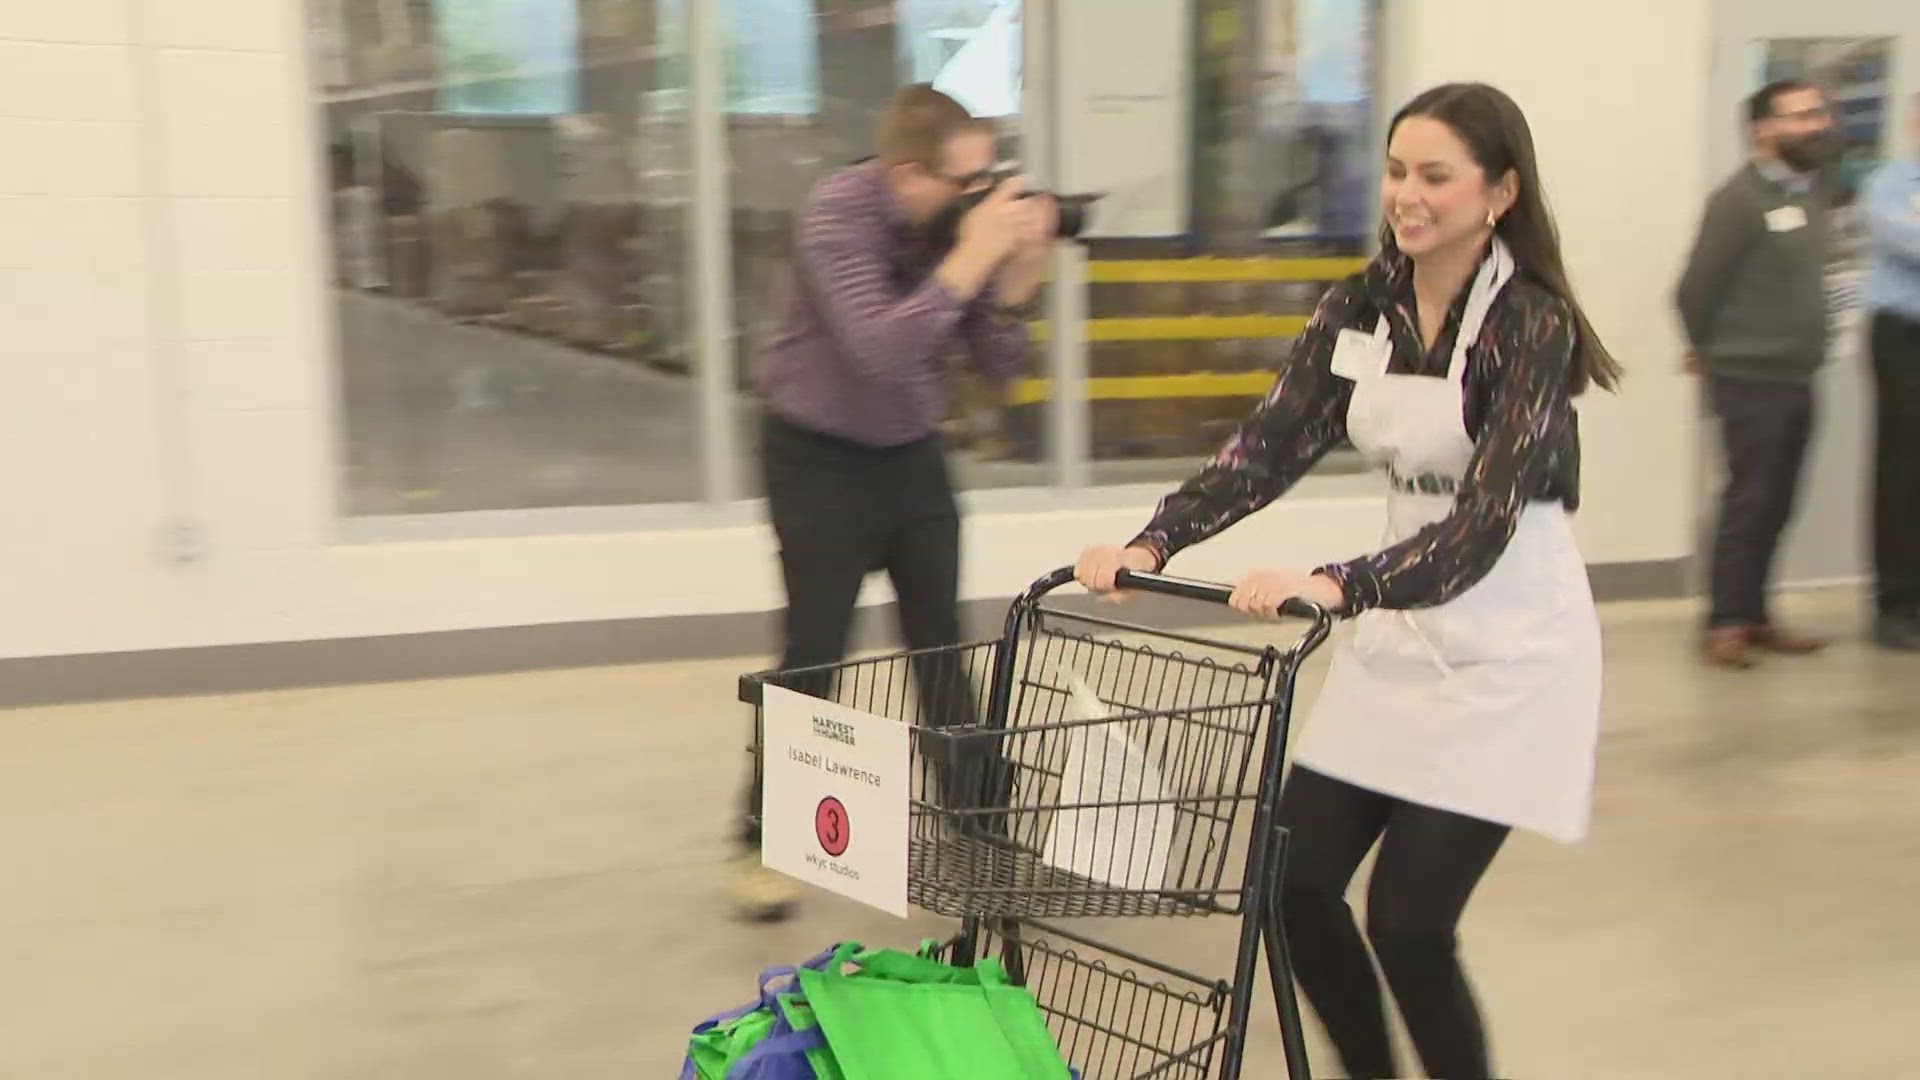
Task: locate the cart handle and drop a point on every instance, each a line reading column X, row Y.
column 1207, row 592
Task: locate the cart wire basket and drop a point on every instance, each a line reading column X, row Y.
column 1116, row 1015
column 1024, row 805
column 1085, row 767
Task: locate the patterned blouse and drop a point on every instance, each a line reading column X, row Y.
column 1518, row 412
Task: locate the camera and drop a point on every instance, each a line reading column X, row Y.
column 1074, row 210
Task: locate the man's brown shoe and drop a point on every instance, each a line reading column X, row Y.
column 1775, row 640
column 1729, row 647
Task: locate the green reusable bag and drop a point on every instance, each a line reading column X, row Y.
column 901, row 1015
column 720, row 1043
column 800, row 1017
column 710, row 1052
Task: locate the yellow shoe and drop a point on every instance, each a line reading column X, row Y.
column 760, row 894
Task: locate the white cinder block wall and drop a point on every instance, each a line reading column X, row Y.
column 167, row 354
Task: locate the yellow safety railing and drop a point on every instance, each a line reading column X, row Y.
column 1198, row 384
column 1115, row 271
column 1192, row 384
column 1186, row 328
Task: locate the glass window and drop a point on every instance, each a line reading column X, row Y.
column 511, row 198
column 770, row 50
column 509, row 57
column 968, row 49
column 508, row 209
column 1198, row 283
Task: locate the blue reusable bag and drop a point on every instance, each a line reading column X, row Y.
column 788, row 1051
column 723, row 1043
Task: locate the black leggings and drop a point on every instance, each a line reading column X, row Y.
column 1429, row 862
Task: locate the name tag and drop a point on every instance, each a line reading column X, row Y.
column 1786, row 219
column 1357, row 356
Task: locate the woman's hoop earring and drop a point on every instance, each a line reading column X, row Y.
column 1492, row 221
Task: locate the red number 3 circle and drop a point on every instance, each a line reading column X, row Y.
column 830, row 826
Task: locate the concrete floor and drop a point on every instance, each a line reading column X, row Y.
column 517, row 877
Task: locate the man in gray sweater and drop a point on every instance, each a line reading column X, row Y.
column 1754, row 305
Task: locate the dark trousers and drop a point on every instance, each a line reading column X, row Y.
column 840, row 512
column 1764, row 428
column 1429, row 862
column 1896, row 464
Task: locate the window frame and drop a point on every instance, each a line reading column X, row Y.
column 1067, row 463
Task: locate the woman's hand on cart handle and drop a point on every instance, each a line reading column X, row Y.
column 1266, row 594
column 1097, row 568
column 1263, row 593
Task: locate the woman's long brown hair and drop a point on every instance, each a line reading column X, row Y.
column 1495, row 132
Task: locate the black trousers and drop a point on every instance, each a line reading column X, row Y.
column 840, row 512
column 1429, row 862
column 1764, row 428
column 1896, row 464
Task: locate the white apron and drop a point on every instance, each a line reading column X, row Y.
column 1489, row 704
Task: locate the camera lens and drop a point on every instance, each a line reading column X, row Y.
column 1072, row 215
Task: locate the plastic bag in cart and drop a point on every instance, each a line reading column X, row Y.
column 1127, row 839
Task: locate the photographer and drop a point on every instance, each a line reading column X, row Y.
column 896, row 261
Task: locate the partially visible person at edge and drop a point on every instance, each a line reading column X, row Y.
column 1467, row 701
column 891, row 273
column 1891, row 202
column 1753, row 301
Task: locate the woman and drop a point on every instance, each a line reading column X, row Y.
column 1467, row 701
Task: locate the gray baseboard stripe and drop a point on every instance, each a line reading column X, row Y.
column 52, row 680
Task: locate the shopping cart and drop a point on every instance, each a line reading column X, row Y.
column 1082, row 771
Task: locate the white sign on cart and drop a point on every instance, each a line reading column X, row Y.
column 835, row 809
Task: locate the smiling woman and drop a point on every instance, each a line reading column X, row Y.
column 1467, row 702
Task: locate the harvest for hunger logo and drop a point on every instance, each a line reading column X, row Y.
column 833, row 729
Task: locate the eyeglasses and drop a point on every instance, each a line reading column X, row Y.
column 972, row 179
column 1818, row 112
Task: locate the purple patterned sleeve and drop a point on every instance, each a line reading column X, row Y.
column 1301, row 418
column 886, row 334
column 997, row 344
column 1529, row 350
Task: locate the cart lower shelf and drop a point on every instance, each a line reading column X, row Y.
column 1114, row 1015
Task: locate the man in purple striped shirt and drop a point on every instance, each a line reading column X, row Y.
column 891, row 275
